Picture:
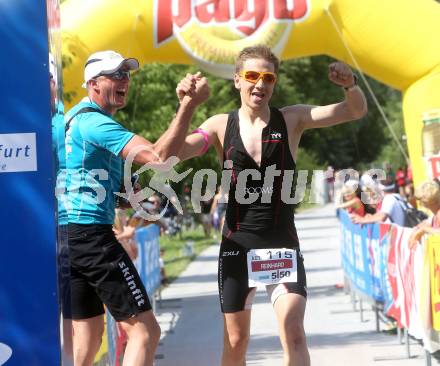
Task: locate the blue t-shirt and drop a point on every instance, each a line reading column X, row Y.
column 59, row 153
column 93, row 166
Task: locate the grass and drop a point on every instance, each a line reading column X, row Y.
column 175, row 261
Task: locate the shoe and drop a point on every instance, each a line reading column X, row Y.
column 389, row 328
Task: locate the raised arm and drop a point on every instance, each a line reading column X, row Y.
column 351, row 203
column 171, row 142
column 354, row 105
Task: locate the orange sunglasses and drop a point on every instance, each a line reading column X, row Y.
column 255, row 76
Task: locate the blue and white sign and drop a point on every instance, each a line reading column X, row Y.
column 147, row 262
column 361, row 256
column 18, row 152
column 29, row 323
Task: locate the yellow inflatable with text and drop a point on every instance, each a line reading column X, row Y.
column 394, row 41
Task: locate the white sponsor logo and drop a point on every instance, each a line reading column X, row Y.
column 5, row 353
column 139, row 297
column 276, row 135
column 18, row 152
column 264, row 190
column 231, row 253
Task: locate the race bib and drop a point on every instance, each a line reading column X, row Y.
column 271, row 266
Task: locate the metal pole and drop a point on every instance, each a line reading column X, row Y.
column 427, row 358
column 399, row 335
column 376, row 311
column 361, row 310
column 353, row 299
column 407, row 343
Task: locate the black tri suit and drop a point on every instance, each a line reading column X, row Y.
column 268, row 222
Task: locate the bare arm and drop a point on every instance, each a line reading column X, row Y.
column 127, row 233
column 369, row 219
column 170, row 143
column 351, row 203
column 354, row 105
column 214, row 204
column 419, row 231
column 195, row 142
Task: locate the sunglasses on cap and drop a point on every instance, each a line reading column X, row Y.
column 118, row 75
column 255, row 76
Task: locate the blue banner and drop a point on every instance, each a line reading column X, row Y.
column 29, row 325
column 147, row 262
column 361, row 256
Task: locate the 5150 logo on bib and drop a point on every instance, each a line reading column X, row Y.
column 271, row 266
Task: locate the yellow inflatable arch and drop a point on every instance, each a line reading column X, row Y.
column 394, row 41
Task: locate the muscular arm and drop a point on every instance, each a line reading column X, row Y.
column 196, row 91
column 195, row 142
column 354, row 106
column 169, row 144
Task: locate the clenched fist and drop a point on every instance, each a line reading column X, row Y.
column 340, row 74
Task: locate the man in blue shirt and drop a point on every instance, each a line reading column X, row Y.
column 96, row 146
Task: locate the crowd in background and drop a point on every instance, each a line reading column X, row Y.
column 392, row 199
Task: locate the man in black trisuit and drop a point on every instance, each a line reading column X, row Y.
column 259, row 243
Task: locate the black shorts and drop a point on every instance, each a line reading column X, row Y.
column 235, row 294
column 102, row 272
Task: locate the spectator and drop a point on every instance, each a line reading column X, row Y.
column 218, row 209
column 206, row 216
column 330, row 180
column 401, row 181
column 351, row 201
column 63, row 262
column 409, row 186
column 429, row 196
column 153, row 207
column 390, row 177
column 391, row 209
column 163, row 275
column 371, row 195
column 125, row 233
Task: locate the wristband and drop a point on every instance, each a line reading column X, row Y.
column 355, row 79
column 205, row 138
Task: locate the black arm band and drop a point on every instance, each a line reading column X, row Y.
column 355, row 78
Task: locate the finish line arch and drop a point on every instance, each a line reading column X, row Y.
column 394, row 41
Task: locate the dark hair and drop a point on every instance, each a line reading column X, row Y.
column 256, row 52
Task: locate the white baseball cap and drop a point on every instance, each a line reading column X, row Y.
column 106, row 62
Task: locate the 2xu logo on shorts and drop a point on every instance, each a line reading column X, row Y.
column 138, row 296
column 231, row 253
